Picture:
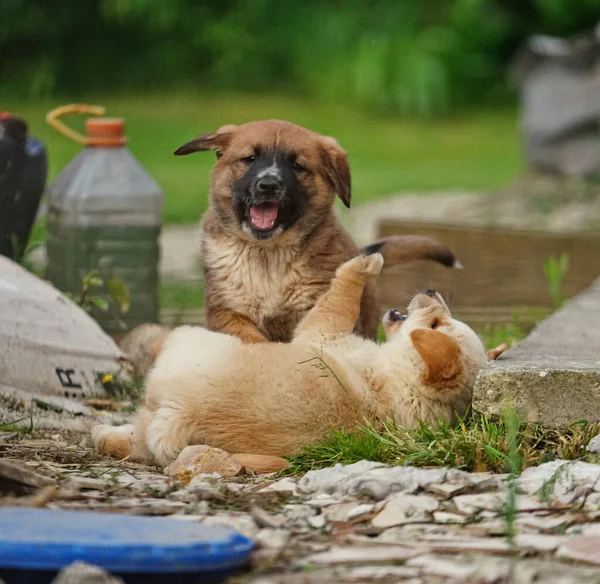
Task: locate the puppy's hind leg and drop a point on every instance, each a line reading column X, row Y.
column 117, row 441
column 335, row 313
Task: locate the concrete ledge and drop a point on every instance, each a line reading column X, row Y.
column 553, row 376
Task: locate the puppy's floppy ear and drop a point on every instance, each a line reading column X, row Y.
column 211, row 141
column 335, row 162
column 441, row 354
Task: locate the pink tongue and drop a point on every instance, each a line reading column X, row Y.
column 264, row 215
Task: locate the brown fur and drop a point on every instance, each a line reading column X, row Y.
column 260, row 290
column 440, row 353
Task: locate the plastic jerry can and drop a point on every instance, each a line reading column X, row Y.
column 23, row 170
column 105, row 214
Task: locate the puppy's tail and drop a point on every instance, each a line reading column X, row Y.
column 397, row 249
column 142, row 346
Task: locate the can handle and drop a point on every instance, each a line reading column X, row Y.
column 52, row 118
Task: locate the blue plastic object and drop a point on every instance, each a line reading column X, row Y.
column 37, row 543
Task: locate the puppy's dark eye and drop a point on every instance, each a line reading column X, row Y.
column 297, row 167
column 249, row 159
column 435, row 324
column 396, row 316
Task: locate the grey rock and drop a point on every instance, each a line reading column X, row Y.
column 385, row 573
column 358, row 555
column 493, row 503
column 82, row 573
column 241, row 522
column 285, row 485
column 273, row 538
column 594, row 445
column 561, row 480
column 16, row 477
column 317, row 522
column 401, row 508
column 445, row 517
column 368, row 478
column 546, row 379
column 583, row 549
column 265, row 519
column 437, row 565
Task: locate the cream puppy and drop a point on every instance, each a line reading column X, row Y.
column 273, row 398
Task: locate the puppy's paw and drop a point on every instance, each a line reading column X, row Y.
column 114, row 440
column 363, row 265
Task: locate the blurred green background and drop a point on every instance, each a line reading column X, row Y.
column 417, row 91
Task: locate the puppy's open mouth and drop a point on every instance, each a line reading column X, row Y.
column 264, row 216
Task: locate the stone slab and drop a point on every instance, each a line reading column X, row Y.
column 553, row 376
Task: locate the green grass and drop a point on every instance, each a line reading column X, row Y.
column 181, row 295
column 480, row 444
column 387, row 154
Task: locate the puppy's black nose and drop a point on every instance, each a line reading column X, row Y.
column 269, row 185
column 430, row 292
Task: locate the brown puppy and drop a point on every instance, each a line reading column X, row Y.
column 271, row 242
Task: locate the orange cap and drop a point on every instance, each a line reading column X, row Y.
column 105, row 132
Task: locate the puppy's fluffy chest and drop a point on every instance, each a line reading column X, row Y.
column 273, row 286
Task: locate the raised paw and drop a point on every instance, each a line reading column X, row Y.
column 362, row 265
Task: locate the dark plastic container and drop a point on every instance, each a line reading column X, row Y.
column 23, row 171
column 35, row 544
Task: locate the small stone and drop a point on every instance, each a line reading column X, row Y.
column 446, row 490
column 435, row 565
column 358, row 555
column 471, row 504
column 458, row 545
column 265, row 519
column 363, row 512
column 85, row 483
column 317, row 521
column 496, row 526
column 445, row 517
column 201, row 509
column 369, row 573
column 273, row 538
column 539, row 542
column 594, row 445
column 408, row 533
column 338, row 512
column 285, row 485
column 322, row 501
column 584, row 549
column 297, row 510
column 492, row 503
column 17, row 478
column 201, row 459
column 241, row 522
column 544, row 524
column 400, row 509
column 82, row 573
column 585, row 529
column 476, row 482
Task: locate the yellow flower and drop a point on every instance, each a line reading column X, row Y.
column 108, row 377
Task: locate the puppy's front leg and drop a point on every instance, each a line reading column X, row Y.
column 230, row 322
column 335, row 313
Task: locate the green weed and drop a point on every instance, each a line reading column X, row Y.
column 498, row 445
